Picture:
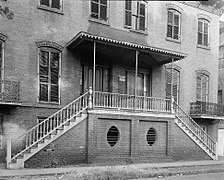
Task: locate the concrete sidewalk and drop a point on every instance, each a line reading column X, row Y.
column 202, row 165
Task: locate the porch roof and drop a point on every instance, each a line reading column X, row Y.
column 108, row 35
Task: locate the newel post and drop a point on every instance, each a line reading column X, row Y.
column 8, row 151
column 172, row 105
column 90, row 101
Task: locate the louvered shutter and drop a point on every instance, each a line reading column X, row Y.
column 168, row 83
column 0, row 62
column 95, row 9
column 103, row 10
column 128, row 13
column 170, row 24
column 45, row 2
column 205, row 34
column 56, row 4
column 200, row 32
column 141, row 16
column 198, row 88
column 176, row 26
column 54, row 68
column 43, row 75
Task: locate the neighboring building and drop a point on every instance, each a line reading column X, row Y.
column 135, row 55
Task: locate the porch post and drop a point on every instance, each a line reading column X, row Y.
column 94, row 71
column 8, row 151
column 136, row 75
column 171, row 89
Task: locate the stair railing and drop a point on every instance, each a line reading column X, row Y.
column 194, row 128
column 48, row 126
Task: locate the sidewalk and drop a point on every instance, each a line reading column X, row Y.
column 186, row 167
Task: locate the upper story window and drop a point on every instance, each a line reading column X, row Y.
column 173, row 24
column 202, row 86
column 49, row 72
column 135, row 14
column 99, row 9
column 51, row 4
column 203, row 32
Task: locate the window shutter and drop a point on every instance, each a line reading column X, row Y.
column 0, row 62
column 176, row 26
column 169, row 23
column 94, row 9
column 168, row 83
column 56, row 4
column 45, row 2
column 141, row 16
column 205, row 33
column 103, row 10
column 198, row 89
column 128, row 13
column 200, row 32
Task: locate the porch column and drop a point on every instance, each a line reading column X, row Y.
column 171, row 89
column 136, row 75
column 94, row 72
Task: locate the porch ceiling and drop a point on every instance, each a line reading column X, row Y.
column 124, row 39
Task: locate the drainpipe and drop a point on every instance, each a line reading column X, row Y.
column 136, row 75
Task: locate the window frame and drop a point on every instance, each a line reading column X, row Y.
column 98, row 19
column 203, row 21
column 52, row 9
column 51, row 47
column 201, row 74
column 135, row 14
column 175, row 12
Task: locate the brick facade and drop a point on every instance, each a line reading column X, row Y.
column 87, row 141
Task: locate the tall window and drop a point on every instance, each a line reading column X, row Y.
column 49, row 74
column 173, row 24
column 57, row 4
column 135, row 14
column 99, row 9
column 172, row 85
column 203, row 32
column 202, row 87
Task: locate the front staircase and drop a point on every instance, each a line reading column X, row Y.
column 194, row 131
column 25, row 146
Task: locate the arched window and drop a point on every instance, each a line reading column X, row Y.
column 203, row 30
column 49, row 71
column 173, row 21
column 202, row 86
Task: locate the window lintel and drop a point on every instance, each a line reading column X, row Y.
column 49, row 44
column 174, row 7
column 169, row 66
column 202, row 72
column 205, row 17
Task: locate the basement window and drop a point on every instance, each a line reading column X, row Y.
column 113, row 136
column 151, row 136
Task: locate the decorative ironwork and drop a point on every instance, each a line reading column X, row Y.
column 9, row 91
column 206, row 108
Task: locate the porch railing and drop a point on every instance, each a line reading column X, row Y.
column 125, row 101
column 206, row 108
column 9, row 91
column 192, row 126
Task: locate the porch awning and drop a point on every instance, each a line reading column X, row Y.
column 126, row 39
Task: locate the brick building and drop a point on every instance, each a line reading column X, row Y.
column 92, row 81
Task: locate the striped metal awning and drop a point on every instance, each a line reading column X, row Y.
column 81, row 36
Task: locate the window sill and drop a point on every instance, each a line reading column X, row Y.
column 203, row 47
column 173, row 40
column 48, row 105
column 138, row 31
column 99, row 21
column 50, row 9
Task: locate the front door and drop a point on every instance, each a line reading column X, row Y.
column 142, row 85
column 221, row 142
column 101, row 78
